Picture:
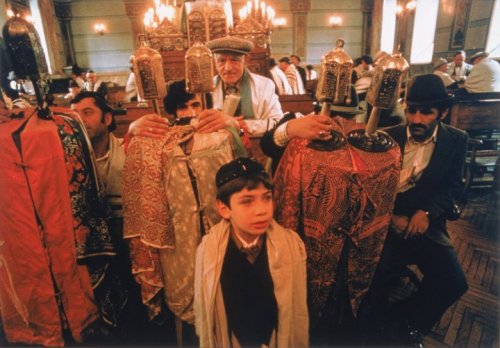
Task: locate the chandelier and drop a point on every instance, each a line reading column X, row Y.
column 154, row 17
column 259, row 12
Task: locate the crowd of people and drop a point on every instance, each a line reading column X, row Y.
column 195, row 251
column 482, row 75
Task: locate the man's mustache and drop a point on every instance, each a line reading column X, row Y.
column 418, row 126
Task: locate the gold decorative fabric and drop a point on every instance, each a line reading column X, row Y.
column 164, row 215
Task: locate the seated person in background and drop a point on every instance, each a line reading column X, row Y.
column 292, row 75
column 93, row 84
column 76, row 75
column 364, row 66
column 484, row 76
column 430, row 183
column 311, row 74
column 131, row 94
column 295, row 59
column 282, row 85
column 440, row 69
column 250, row 282
column 458, row 69
column 73, row 90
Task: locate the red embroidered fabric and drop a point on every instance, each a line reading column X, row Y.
column 329, row 196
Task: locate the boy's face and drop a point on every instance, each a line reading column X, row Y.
column 250, row 212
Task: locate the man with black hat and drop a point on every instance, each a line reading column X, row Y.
column 430, row 185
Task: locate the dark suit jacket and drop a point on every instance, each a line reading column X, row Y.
column 303, row 75
column 440, row 186
column 268, row 145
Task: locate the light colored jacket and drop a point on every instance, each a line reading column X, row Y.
column 265, row 102
column 447, row 80
column 287, row 264
column 484, row 77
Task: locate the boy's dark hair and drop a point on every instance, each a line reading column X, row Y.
column 100, row 103
column 309, row 67
column 239, row 174
column 249, row 182
column 177, row 97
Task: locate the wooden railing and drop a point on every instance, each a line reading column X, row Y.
column 479, row 115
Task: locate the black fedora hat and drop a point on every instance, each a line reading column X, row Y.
column 424, row 90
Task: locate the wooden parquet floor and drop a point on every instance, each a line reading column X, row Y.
column 474, row 320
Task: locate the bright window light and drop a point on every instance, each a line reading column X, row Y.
column 422, row 45
column 493, row 43
column 37, row 23
column 388, row 25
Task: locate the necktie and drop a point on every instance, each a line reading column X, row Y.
column 231, row 90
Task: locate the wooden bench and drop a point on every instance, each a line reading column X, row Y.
column 479, row 115
column 302, row 103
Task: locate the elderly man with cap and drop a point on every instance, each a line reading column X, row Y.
column 259, row 107
column 484, row 76
column 440, row 69
column 429, row 186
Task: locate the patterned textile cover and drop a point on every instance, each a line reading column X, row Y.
column 330, row 196
column 73, row 247
column 94, row 245
column 162, row 212
column 37, row 256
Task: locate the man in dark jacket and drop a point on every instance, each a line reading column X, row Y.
column 430, row 183
column 302, row 72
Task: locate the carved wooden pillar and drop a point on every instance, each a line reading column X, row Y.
column 366, row 40
column 63, row 14
column 300, row 9
column 135, row 12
